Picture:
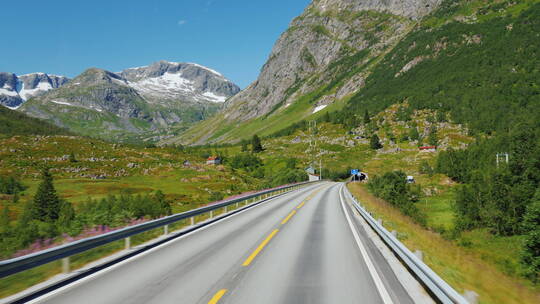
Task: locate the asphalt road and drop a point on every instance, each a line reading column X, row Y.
column 297, row 248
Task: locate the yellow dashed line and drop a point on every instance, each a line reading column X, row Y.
column 260, row 248
column 215, row 299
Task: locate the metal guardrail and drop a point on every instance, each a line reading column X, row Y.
column 443, row 292
column 15, row 265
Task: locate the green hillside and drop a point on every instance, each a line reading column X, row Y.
column 16, row 123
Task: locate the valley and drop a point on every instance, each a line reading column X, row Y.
column 437, row 102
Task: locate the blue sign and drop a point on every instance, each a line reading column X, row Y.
column 354, row 171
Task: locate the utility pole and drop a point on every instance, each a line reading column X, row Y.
column 313, row 151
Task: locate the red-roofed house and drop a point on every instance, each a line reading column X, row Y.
column 428, row 149
column 213, row 160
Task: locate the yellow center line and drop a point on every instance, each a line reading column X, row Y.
column 217, row 296
column 288, row 217
column 300, row 206
column 261, row 246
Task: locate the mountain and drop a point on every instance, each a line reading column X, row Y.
column 188, row 82
column 144, row 103
column 14, row 90
column 322, row 58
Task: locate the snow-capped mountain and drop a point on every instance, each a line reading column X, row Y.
column 14, row 90
column 189, row 82
column 139, row 103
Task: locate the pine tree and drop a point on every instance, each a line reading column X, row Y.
column 46, row 205
column 375, row 142
column 433, row 139
column 367, row 120
column 256, row 145
column 413, row 134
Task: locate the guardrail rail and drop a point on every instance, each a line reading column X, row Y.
column 439, row 289
column 19, row 264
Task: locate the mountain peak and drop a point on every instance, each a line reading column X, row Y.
column 14, row 90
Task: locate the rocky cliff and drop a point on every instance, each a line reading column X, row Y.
column 326, row 53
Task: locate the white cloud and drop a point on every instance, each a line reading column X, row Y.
column 182, row 22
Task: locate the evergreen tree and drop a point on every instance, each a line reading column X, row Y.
column 66, row 214
column 46, row 204
column 256, row 145
column 433, row 139
column 413, row 134
column 244, row 146
column 530, row 257
column 367, row 120
column 375, row 142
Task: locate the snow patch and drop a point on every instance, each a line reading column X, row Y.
column 41, row 87
column 7, row 92
column 14, row 108
column 319, row 108
column 61, row 102
column 166, row 85
column 214, row 97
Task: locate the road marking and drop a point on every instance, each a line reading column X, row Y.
column 217, row 296
column 376, row 279
column 131, row 259
column 288, row 217
column 300, row 206
column 261, row 246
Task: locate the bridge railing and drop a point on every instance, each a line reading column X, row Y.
column 439, row 289
column 19, row 264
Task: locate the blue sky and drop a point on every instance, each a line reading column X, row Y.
column 64, row 37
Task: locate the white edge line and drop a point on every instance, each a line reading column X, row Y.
column 131, row 259
column 377, row 280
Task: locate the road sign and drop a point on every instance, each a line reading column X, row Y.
column 354, row 171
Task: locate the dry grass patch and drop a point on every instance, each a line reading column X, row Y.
column 460, row 267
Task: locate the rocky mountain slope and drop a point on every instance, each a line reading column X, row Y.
column 14, row 90
column 348, row 56
column 331, row 46
column 144, row 103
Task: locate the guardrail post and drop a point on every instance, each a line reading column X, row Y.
column 211, row 213
column 127, row 242
column 471, row 296
column 419, row 254
column 192, row 221
column 379, row 221
column 394, row 233
column 66, row 265
column 237, row 205
column 225, row 209
column 165, row 229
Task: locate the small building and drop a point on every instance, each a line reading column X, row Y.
column 410, row 179
column 213, row 160
column 310, row 170
column 428, row 149
column 314, row 177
